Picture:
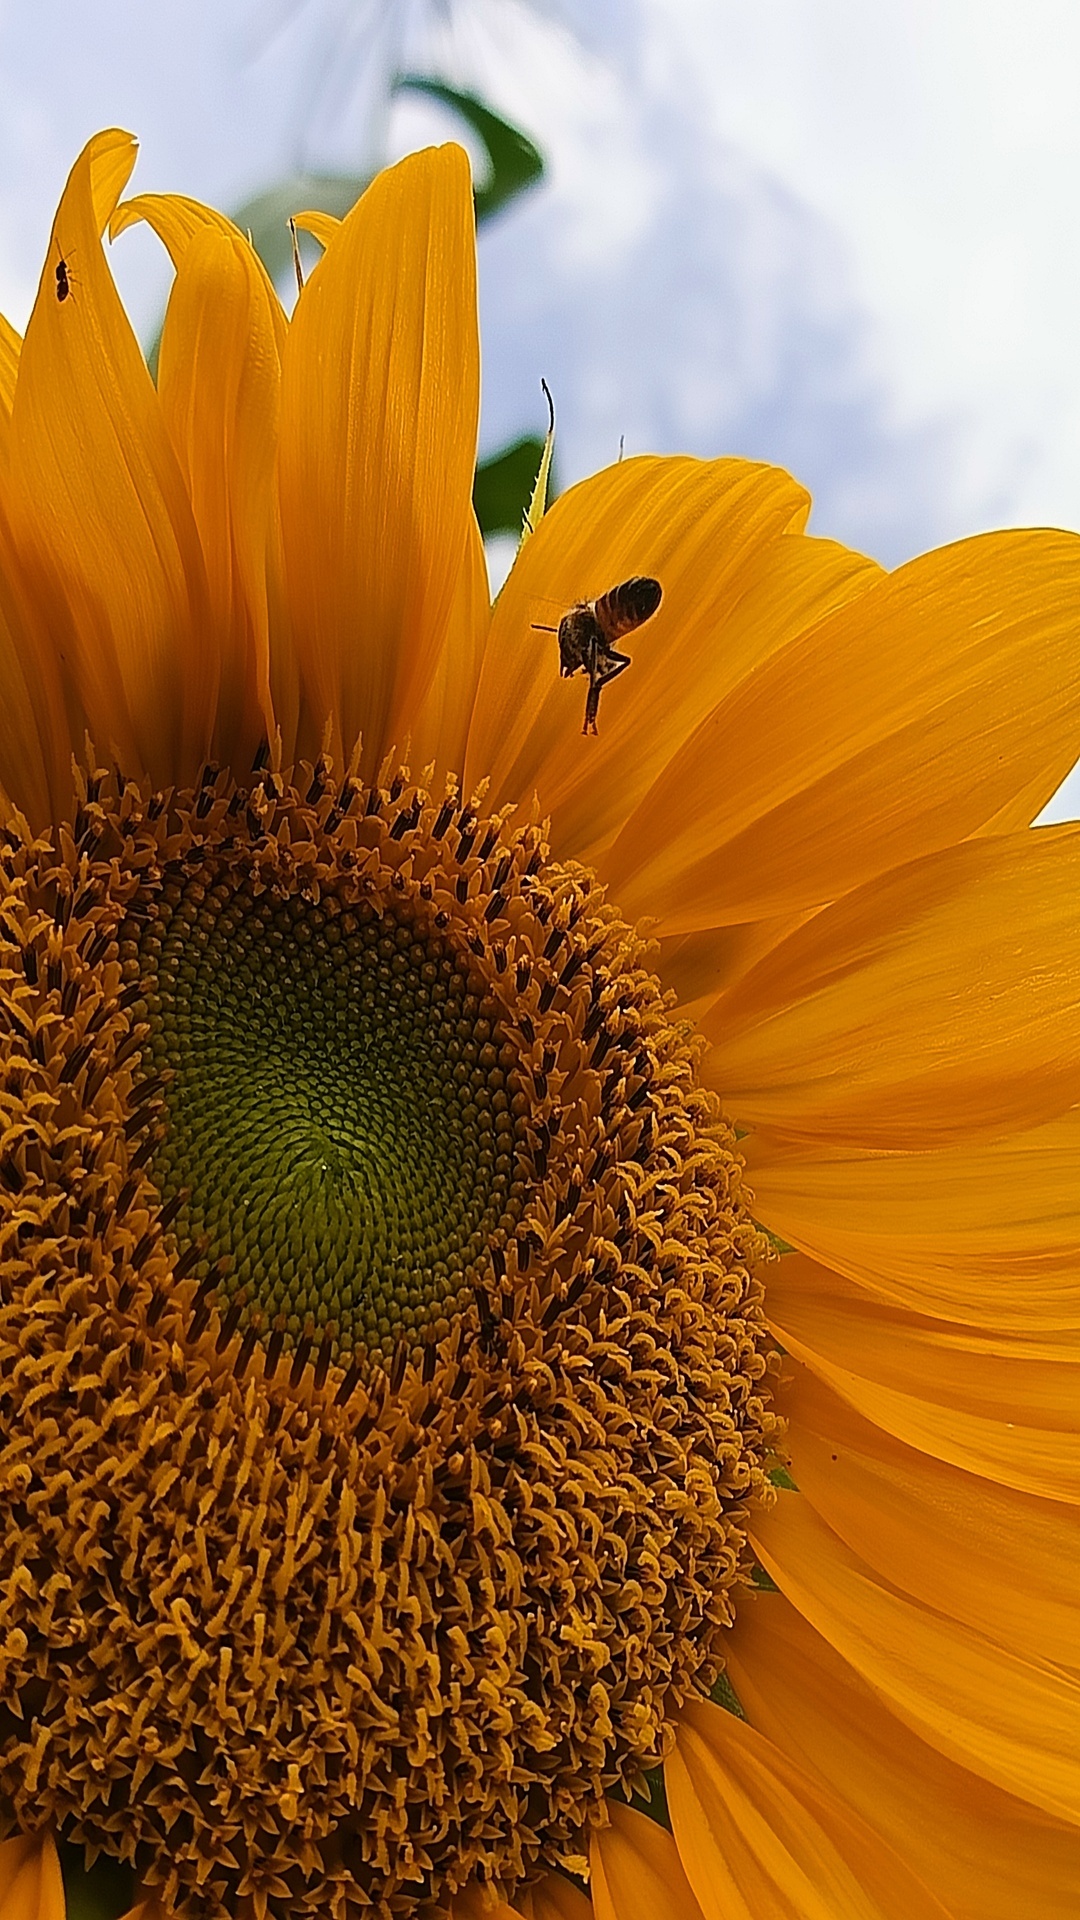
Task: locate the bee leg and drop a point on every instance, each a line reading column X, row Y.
column 607, row 667
column 611, row 665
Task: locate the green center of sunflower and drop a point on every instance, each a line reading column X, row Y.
column 338, row 1098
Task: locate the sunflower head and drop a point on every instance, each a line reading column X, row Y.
column 391, row 1361
column 382, row 1327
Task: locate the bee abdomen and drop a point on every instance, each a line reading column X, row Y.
column 626, row 606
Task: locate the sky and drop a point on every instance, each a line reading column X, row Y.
column 841, row 237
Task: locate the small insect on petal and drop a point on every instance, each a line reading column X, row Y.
column 65, row 279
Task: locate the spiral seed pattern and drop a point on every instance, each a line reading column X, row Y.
column 340, row 1132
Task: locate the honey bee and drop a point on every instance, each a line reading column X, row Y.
column 587, row 633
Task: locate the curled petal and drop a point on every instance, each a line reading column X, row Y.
column 99, row 507
column 220, row 384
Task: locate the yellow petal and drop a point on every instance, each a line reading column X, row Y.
column 10, row 348
column 933, row 1005
column 757, row 1835
column 1001, row 1409
column 1025, row 807
column 321, row 226
column 30, row 1884
column 440, row 725
column 635, row 1872
column 986, row 1854
column 886, row 731
column 35, row 736
column 380, row 398
column 711, row 532
column 1009, row 1718
column 1000, row 1560
column 987, row 1232
column 554, row 1898
column 99, row 506
column 479, row 1903
column 698, row 966
column 178, row 220
column 219, row 378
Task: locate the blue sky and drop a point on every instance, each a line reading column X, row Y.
column 841, row 237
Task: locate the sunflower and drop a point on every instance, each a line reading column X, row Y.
column 539, row 1302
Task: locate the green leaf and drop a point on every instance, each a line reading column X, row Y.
column 781, row 1477
column 100, row 1892
column 650, row 1797
column 538, row 499
column 774, row 1240
column 267, row 216
column 514, row 163
column 504, row 484
column 725, row 1695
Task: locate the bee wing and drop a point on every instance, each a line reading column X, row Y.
column 545, row 613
